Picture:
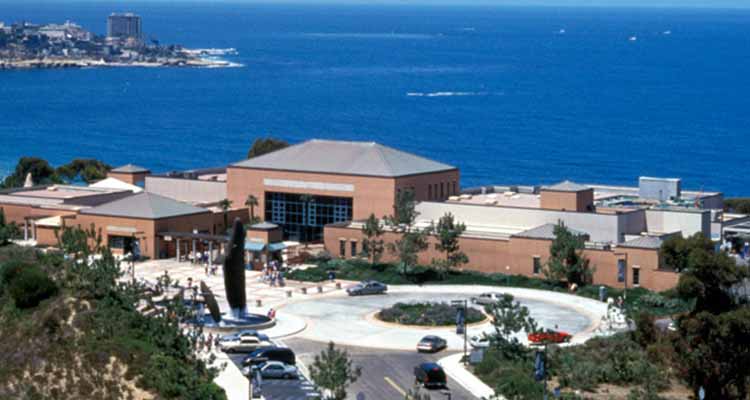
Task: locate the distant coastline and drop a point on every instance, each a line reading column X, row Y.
column 31, row 46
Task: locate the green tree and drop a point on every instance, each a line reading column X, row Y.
column 509, row 318
column 8, row 231
column 333, row 371
column 225, row 205
column 252, row 202
column 41, row 173
column 676, row 250
column 448, row 232
column 566, row 261
column 265, row 145
column 737, row 205
column 87, row 170
column 412, row 240
column 712, row 346
column 373, row 246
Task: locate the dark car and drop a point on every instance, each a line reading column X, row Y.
column 367, row 287
column 271, row 353
column 430, row 375
column 432, row 344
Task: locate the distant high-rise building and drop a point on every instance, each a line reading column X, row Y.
column 124, row 26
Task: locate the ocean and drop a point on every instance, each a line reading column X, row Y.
column 510, row 95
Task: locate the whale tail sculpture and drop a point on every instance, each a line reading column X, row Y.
column 234, row 271
column 213, row 306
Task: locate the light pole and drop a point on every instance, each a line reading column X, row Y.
column 463, row 305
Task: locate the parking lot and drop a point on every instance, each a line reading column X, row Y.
column 282, row 389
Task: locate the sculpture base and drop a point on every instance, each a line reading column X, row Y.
column 246, row 321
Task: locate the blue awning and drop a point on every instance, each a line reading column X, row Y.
column 276, row 246
column 254, row 246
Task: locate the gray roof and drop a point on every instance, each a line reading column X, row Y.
column 644, row 242
column 546, row 231
column 130, row 169
column 566, row 186
column 145, row 206
column 349, row 158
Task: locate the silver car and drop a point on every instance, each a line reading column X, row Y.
column 277, row 370
column 487, row 298
column 367, row 287
column 244, row 345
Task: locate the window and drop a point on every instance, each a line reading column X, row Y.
column 365, row 246
column 537, row 265
column 636, row 276
column 429, row 192
column 342, row 248
column 621, row 270
column 116, row 242
column 454, row 188
column 442, row 190
column 354, row 249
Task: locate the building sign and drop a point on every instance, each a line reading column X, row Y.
column 120, row 229
column 307, row 185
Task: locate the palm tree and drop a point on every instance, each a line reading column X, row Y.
column 252, row 202
column 225, row 205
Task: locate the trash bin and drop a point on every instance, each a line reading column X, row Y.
column 331, row 275
column 602, row 293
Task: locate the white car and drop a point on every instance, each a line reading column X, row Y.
column 479, row 341
column 273, row 370
column 246, row 344
column 487, row 298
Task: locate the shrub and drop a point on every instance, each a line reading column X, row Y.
column 29, row 285
column 427, row 314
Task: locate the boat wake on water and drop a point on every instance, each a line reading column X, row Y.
column 447, row 94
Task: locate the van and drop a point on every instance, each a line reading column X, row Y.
column 271, row 353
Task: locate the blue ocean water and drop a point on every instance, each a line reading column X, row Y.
column 500, row 92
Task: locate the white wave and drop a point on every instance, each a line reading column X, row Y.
column 445, row 94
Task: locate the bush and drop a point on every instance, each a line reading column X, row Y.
column 28, row 285
column 173, row 379
column 427, row 314
column 512, row 379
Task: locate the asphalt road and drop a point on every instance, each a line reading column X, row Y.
column 386, row 374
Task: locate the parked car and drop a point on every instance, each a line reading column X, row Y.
column 244, row 333
column 367, row 287
column 432, row 344
column 270, row 353
column 549, row 337
column 479, row 341
column 273, row 370
column 487, row 298
column 244, row 345
column 430, row 375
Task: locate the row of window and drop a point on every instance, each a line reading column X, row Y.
column 621, row 271
column 440, row 191
column 302, row 217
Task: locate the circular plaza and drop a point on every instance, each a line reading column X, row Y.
column 351, row 320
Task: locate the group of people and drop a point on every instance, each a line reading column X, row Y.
column 273, row 273
column 202, row 341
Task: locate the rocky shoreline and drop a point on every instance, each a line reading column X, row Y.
column 56, row 63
